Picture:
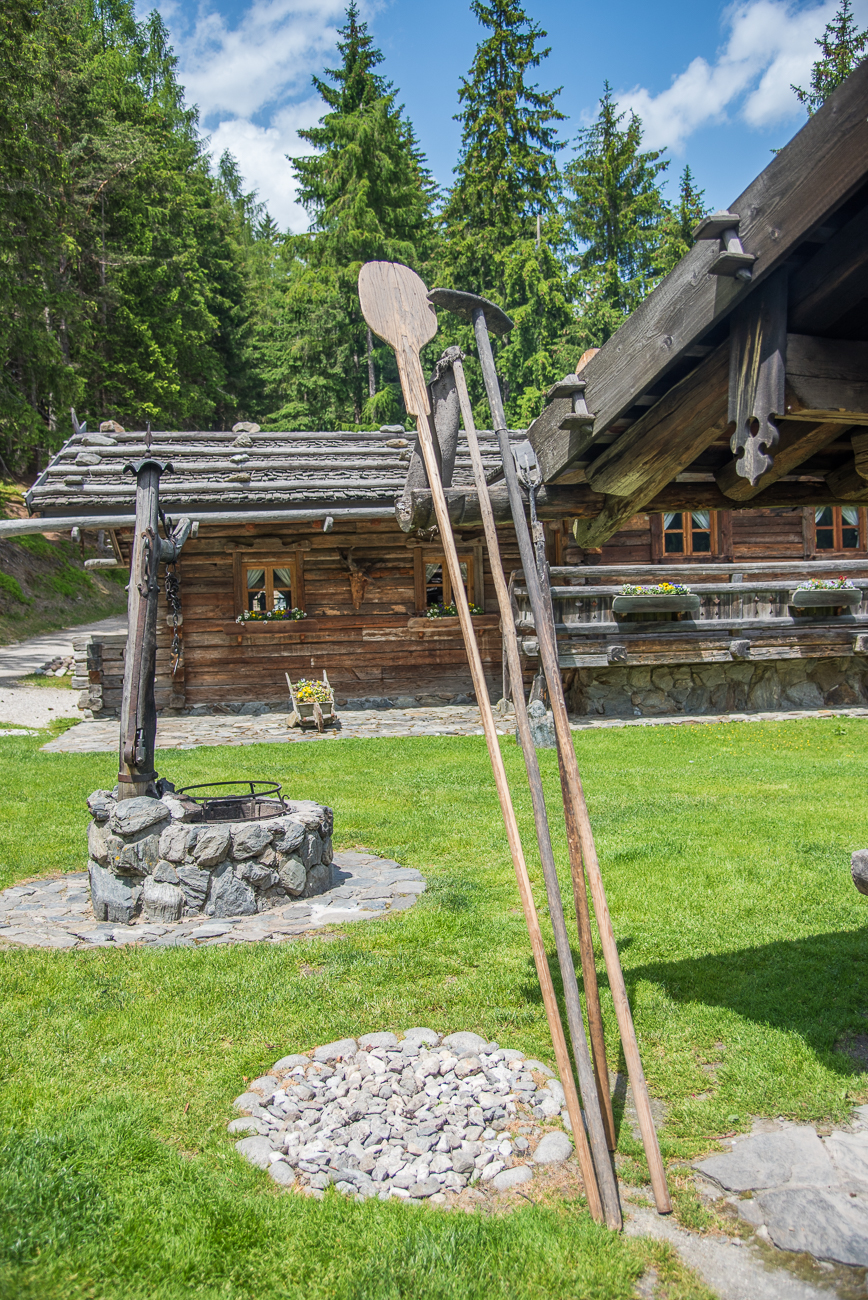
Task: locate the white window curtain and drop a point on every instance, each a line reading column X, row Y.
column 283, row 577
column 255, row 578
column 850, row 515
column 701, row 519
column 668, row 517
column 819, row 511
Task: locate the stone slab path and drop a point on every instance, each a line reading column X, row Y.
column 186, row 732
column 56, row 913
column 800, row 1190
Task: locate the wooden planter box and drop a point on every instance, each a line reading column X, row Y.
column 830, row 598
column 648, row 609
column 294, row 627
column 452, row 624
column 313, row 713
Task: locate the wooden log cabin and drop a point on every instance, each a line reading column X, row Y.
column 719, row 437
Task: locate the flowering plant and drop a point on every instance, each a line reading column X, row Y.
column 661, row 589
column 270, row 615
column 828, row 584
column 308, row 691
column 450, row 611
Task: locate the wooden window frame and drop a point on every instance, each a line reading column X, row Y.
column 838, row 526
column 471, row 556
column 291, row 559
column 659, row 554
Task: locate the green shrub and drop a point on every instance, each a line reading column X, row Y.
column 10, row 586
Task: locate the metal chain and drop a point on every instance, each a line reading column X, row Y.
column 173, row 600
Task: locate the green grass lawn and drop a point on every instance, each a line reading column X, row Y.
column 725, row 851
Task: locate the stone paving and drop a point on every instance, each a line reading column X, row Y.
column 801, row 1191
column 186, row 732
column 56, row 913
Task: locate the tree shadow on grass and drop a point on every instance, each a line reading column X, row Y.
column 816, row 987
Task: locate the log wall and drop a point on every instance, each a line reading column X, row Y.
column 382, row 650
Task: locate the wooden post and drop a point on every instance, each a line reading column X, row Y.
column 138, row 708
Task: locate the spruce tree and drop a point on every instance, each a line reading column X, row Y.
column 369, row 195
column 843, row 48
column 615, row 213
column 501, row 234
column 679, row 223
column 507, row 174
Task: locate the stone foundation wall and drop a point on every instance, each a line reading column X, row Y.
column 148, row 861
column 761, row 687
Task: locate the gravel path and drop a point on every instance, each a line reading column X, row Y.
column 56, row 913
column 37, row 706
column 25, row 657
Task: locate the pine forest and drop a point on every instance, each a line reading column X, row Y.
column 141, row 280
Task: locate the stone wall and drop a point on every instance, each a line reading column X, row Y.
column 761, row 687
column 148, row 861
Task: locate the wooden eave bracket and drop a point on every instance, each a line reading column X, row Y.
column 732, row 260
column 757, row 375
column 572, row 387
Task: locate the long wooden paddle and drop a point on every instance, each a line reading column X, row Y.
column 394, row 304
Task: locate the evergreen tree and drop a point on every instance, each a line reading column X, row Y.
column 507, row 174
column 680, row 222
column 615, row 214
column 123, row 273
column 843, row 48
column 501, row 234
column 369, row 196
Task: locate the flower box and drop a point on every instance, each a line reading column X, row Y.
column 293, row 625
column 451, row 623
column 826, row 598
column 651, row 604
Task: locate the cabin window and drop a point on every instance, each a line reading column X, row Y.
column 839, row 528
column 438, row 586
column 688, row 533
column 267, row 586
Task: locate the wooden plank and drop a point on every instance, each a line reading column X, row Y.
column 833, row 282
column 669, row 436
column 797, row 442
column 827, row 379
column 803, row 184
column 689, row 418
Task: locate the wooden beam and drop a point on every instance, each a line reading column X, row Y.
column 808, row 180
column 827, row 379
column 796, row 444
column 417, row 510
column 834, row 281
column 558, row 444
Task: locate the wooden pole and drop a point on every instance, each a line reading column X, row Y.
column 577, row 871
column 138, row 707
column 593, row 1102
column 574, row 797
column 385, row 288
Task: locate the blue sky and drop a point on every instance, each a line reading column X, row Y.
column 710, row 81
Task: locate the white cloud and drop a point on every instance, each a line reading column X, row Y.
column 770, row 46
column 268, row 56
column 252, row 83
column 261, row 152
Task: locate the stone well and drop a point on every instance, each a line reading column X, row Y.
column 154, row 859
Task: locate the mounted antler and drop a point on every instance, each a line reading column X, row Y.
column 360, row 576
